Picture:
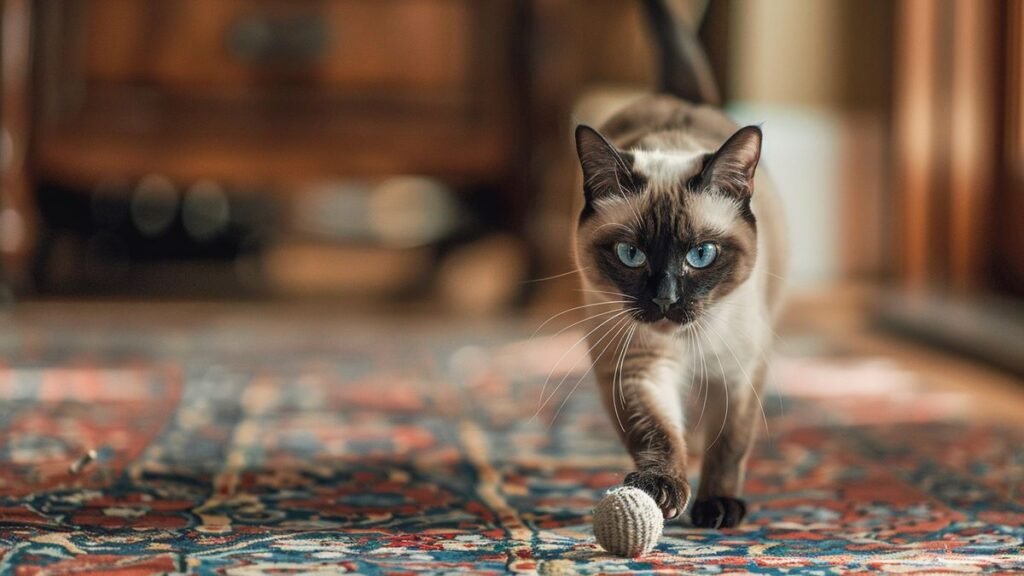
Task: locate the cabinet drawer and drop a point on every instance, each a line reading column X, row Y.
column 277, row 89
column 227, row 47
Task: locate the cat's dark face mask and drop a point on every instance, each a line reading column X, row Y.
column 668, row 249
column 668, row 270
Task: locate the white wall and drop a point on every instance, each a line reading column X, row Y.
column 782, row 71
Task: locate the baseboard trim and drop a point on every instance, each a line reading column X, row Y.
column 986, row 328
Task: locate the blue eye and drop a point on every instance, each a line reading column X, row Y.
column 630, row 255
column 701, row 256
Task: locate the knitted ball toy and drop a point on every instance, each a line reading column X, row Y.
column 628, row 522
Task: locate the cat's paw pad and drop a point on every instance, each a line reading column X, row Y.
column 718, row 512
column 669, row 493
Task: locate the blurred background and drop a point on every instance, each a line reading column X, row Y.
column 416, row 154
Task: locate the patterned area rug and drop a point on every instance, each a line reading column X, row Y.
column 248, row 447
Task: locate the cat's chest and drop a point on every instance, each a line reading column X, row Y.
column 725, row 351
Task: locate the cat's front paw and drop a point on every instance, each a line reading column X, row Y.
column 718, row 512
column 670, row 493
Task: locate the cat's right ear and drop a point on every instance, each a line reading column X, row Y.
column 606, row 170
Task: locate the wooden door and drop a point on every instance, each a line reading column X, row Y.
column 1008, row 246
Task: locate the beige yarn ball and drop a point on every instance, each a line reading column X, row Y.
column 628, row 522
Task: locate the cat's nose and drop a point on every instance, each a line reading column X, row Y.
column 668, row 293
column 664, row 303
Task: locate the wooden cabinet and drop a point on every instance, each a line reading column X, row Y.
column 226, row 48
column 277, row 90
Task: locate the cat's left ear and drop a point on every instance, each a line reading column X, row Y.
column 732, row 167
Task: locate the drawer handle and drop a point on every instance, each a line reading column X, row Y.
column 265, row 39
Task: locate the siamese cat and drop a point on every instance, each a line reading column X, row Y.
column 681, row 250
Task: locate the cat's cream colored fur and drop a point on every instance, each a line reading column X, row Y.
column 714, row 366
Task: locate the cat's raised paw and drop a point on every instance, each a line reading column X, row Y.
column 670, row 494
column 718, row 512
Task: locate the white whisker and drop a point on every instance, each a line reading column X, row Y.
column 566, row 353
column 619, row 294
column 692, row 347
column 620, row 371
column 620, row 225
column 725, row 386
column 705, row 382
column 763, row 351
column 745, row 375
column 556, row 276
column 587, row 319
column 544, row 388
column 564, row 312
column 585, row 374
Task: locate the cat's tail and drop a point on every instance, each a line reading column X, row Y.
column 684, row 68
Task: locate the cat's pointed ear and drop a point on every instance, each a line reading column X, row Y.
column 606, row 169
column 732, row 167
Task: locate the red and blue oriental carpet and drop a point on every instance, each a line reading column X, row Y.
column 240, row 446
